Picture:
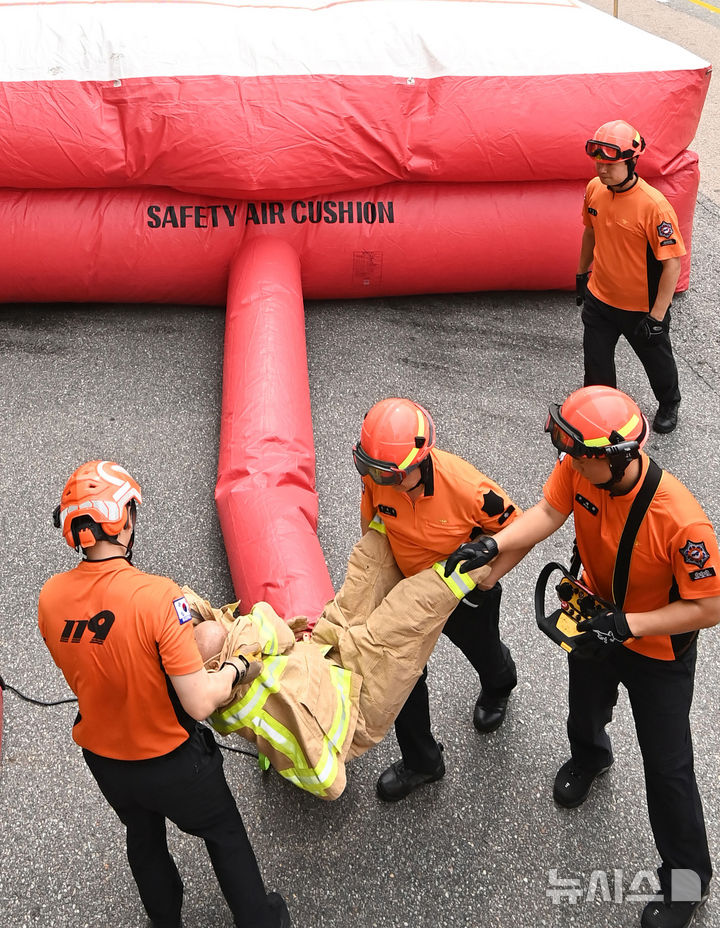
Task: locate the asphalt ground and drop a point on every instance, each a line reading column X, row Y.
column 483, row 846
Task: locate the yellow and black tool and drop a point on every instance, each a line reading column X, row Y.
column 577, row 602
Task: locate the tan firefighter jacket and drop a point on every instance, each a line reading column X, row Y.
column 320, row 702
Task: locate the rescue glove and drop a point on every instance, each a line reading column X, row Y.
column 650, row 329
column 474, row 553
column 609, row 626
column 581, row 281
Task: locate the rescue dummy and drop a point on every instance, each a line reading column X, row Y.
column 332, row 695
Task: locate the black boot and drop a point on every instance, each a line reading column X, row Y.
column 398, row 781
column 666, row 417
column 671, row 914
column 573, row 784
column 489, row 712
column 278, row 906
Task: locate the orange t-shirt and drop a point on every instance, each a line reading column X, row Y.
column 675, row 555
column 116, row 632
column 457, row 500
column 635, row 231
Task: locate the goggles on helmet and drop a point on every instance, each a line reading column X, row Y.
column 569, row 440
column 384, row 473
column 607, row 151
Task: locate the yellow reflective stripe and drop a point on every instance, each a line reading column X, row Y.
column 341, row 721
column 603, row 441
column 235, row 716
column 249, row 712
column 378, row 525
column 313, row 779
column 415, row 451
column 460, row 584
column 266, row 627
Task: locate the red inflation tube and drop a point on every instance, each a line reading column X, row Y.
column 265, row 493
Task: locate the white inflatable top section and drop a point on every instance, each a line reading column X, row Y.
column 93, row 40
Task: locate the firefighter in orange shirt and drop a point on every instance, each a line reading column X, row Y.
column 634, row 245
column 430, row 502
column 649, row 643
column 124, row 642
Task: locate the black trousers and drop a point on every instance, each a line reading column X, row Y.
column 603, row 327
column 660, row 694
column 474, row 628
column 187, row 786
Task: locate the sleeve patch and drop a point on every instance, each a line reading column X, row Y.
column 669, row 241
column 695, row 553
column 493, row 504
column 665, row 229
column 506, row 515
column 182, row 610
column 702, row 574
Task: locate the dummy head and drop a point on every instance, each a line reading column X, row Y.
column 210, row 638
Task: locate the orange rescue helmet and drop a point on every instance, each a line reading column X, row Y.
column 615, row 141
column 94, row 502
column 599, row 422
column 397, row 435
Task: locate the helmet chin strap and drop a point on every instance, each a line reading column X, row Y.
column 631, row 176
column 618, row 466
column 132, row 517
column 419, row 481
column 619, row 463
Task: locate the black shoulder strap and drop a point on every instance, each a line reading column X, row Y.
column 632, row 526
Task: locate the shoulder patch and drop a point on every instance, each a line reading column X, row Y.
column 665, row 229
column 695, row 553
column 586, row 504
column 593, row 212
column 493, row 504
column 182, row 610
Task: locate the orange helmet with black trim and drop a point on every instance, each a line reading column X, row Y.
column 599, row 422
column 94, row 503
column 397, row 435
column 615, row 141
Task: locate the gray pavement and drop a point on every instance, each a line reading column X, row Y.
column 142, row 385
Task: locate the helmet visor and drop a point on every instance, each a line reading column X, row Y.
column 384, row 473
column 567, row 439
column 605, row 151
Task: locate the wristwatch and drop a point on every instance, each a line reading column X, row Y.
column 239, row 677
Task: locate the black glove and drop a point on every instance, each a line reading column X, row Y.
column 473, row 553
column 650, row 329
column 581, row 281
column 609, row 626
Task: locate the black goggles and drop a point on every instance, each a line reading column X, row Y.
column 384, row 473
column 607, row 151
column 567, row 439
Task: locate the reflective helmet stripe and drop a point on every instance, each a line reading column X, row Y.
column 125, row 492
column 403, row 465
column 603, row 440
